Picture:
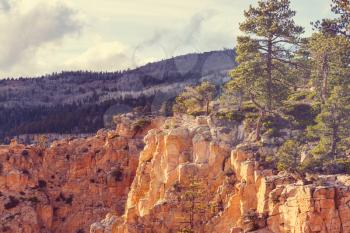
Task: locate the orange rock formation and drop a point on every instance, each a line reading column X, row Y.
column 188, row 173
column 71, row 184
column 233, row 192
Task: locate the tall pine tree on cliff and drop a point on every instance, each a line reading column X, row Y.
column 265, row 55
column 330, row 58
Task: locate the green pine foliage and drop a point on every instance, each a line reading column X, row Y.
column 288, row 156
column 333, row 125
column 195, row 100
column 329, row 56
column 295, row 83
column 339, row 25
column 193, row 199
column 265, row 55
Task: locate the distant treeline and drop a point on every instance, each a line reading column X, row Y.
column 79, row 101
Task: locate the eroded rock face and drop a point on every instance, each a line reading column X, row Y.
column 187, row 173
column 206, row 164
column 71, row 184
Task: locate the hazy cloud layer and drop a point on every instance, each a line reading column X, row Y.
column 23, row 31
column 5, row 5
column 102, row 57
column 44, row 36
column 169, row 43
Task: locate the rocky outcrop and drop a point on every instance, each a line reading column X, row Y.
column 282, row 203
column 71, row 184
column 152, row 175
column 198, row 175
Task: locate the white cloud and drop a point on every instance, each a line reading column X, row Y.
column 105, row 56
column 4, row 5
column 25, row 28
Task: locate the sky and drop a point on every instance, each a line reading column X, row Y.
column 44, row 36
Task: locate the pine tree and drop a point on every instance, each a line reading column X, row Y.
column 195, row 99
column 288, row 156
column 333, row 124
column 194, row 204
column 265, row 55
column 330, row 58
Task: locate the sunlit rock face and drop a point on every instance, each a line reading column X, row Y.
column 71, row 184
column 233, row 192
column 163, row 175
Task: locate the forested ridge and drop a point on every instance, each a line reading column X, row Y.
column 83, row 102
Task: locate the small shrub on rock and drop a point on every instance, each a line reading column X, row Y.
column 185, row 230
column 42, row 184
column 25, row 171
column 140, row 124
column 25, row 153
column 117, row 174
column 33, row 200
column 12, row 203
column 337, row 166
column 288, row 156
column 69, row 200
column 5, row 229
column 235, row 115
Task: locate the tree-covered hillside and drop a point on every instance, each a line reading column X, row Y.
column 83, row 102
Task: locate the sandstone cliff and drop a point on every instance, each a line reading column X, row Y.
column 182, row 174
column 201, row 175
column 71, row 184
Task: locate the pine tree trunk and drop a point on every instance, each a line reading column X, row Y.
column 269, row 74
column 334, row 142
column 240, row 101
column 325, row 70
column 259, row 125
column 207, row 107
